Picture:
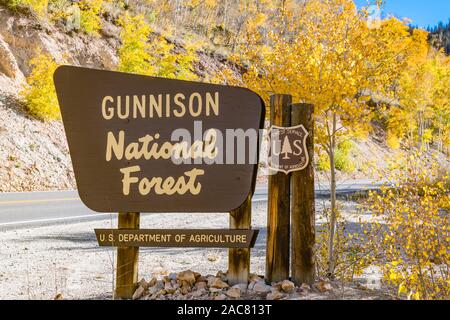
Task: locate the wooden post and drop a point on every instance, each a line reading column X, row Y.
column 239, row 258
column 127, row 259
column 278, row 234
column 303, row 214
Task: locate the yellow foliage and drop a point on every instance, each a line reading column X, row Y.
column 424, row 96
column 38, row 6
column 392, row 140
column 413, row 243
column 140, row 53
column 134, row 53
column 90, row 21
column 350, row 256
column 39, row 94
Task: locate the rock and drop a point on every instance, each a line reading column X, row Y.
column 220, row 297
column 254, row 277
column 275, row 295
column 153, row 290
column 201, row 285
column 198, row 293
column 8, row 62
column 59, row 296
column 260, row 287
column 169, row 288
column 211, row 280
column 241, row 286
column 288, row 286
column 276, row 286
column 187, row 276
column 218, row 283
column 152, row 282
column 305, row 287
column 109, row 30
column 160, row 284
column 175, row 285
column 324, row 286
column 214, row 290
column 161, row 292
column 138, row 293
column 172, row 276
column 197, row 275
column 143, row 283
column 185, row 288
column 222, row 276
column 234, row 293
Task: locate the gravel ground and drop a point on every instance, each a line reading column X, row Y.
column 42, row 262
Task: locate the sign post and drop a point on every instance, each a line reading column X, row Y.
column 239, row 258
column 278, row 211
column 291, row 155
column 144, row 144
column 127, row 259
column 303, row 208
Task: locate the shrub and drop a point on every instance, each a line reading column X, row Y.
column 342, row 157
column 90, row 21
column 392, row 140
column 39, row 94
column 134, row 56
column 413, row 242
column 350, row 255
column 38, row 6
column 323, row 162
column 153, row 56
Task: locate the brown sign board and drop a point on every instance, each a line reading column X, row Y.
column 219, row 238
column 287, row 151
column 120, row 131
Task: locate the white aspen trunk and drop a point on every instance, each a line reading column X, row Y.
column 333, row 200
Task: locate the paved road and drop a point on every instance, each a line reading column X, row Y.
column 36, row 208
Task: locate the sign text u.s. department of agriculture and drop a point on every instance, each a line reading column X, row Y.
column 223, row 238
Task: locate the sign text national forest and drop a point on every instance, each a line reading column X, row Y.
column 146, row 144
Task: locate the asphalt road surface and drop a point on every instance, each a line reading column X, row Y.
column 23, row 209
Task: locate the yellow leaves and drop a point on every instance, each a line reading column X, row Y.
column 39, row 6
column 260, row 18
column 90, row 20
column 402, row 289
column 415, row 237
column 147, row 54
column 39, row 94
column 414, row 296
column 134, row 53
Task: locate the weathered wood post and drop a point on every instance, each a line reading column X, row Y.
column 239, row 258
column 278, row 212
column 127, row 259
column 303, row 216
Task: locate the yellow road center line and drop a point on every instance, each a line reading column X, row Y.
column 37, row 201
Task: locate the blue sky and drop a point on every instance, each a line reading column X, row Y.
column 421, row 12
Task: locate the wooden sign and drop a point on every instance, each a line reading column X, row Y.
column 226, row 238
column 146, row 144
column 288, row 152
